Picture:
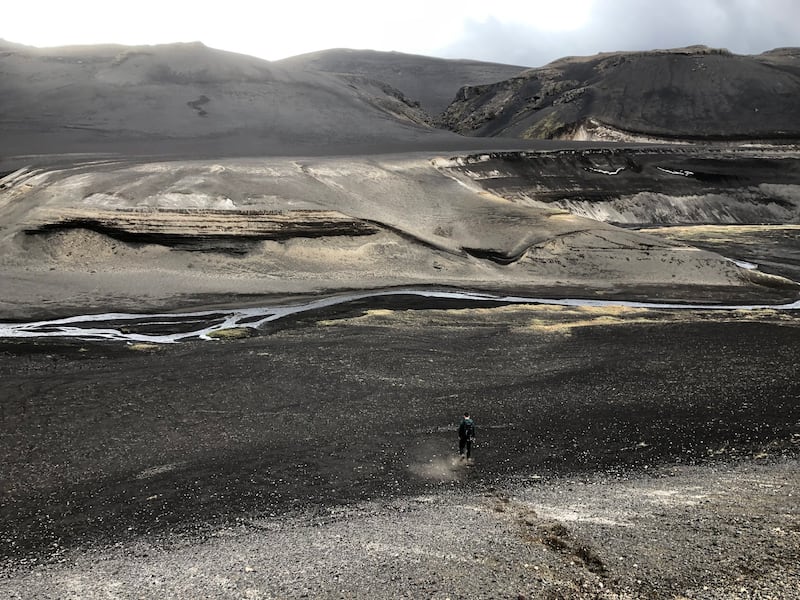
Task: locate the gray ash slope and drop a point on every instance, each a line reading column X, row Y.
column 689, row 93
column 190, row 100
column 189, row 97
column 433, row 82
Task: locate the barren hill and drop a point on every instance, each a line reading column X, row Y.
column 689, row 93
column 157, row 98
column 433, row 82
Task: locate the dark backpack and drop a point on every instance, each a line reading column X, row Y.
column 469, row 428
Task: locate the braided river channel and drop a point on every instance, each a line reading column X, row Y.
column 167, row 328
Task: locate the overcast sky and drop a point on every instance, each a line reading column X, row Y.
column 529, row 32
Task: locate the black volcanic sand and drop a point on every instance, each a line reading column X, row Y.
column 105, row 443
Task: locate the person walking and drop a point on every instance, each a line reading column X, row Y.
column 466, row 435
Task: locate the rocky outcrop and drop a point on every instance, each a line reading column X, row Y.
column 389, row 99
column 204, row 230
column 694, row 93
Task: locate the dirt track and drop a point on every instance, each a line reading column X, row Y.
column 112, row 447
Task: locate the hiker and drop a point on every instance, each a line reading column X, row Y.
column 466, row 434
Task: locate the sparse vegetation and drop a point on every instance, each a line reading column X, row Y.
column 144, row 347
column 232, row 333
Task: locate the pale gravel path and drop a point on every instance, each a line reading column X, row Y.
column 718, row 531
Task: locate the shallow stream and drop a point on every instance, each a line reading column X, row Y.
column 165, row 328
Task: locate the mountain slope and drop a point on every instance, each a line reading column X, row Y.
column 691, row 93
column 86, row 98
column 433, row 82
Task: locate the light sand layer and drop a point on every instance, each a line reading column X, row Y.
column 152, row 232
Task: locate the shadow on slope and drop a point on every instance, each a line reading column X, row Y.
column 433, row 82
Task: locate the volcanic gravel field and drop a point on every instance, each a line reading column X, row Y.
column 621, row 453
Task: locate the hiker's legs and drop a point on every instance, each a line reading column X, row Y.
column 469, row 447
column 461, row 443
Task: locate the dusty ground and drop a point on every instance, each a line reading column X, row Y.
column 774, row 248
column 621, row 454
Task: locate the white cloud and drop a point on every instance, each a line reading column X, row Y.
column 743, row 26
column 527, row 32
column 275, row 29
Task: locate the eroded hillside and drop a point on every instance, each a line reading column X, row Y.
column 694, row 93
column 648, row 186
column 432, row 82
column 741, row 202
column 123, row 233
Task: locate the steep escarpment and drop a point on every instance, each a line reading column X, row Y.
column 641, row 187
column 743, row 203
column 206, row 230
column 695, row 93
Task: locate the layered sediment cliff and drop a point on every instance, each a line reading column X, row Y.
column 206, row 230
column 647, row 186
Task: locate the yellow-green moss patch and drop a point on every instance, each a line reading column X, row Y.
column 232, row 333
column 144, row 347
